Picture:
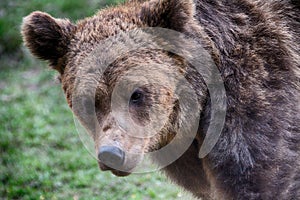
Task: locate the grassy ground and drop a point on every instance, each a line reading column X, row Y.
column 41, row 155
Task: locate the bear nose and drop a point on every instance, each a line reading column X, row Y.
column 111, row 156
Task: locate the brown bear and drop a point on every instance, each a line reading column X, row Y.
column 254, row 44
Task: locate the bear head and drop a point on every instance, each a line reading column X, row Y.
column 126, row 116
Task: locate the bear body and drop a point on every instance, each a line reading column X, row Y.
column 256, row 48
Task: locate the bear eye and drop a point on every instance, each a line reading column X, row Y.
column 137, row 96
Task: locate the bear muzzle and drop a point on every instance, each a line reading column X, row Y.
column 112, row 158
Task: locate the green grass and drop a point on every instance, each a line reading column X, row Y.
column 41, row 155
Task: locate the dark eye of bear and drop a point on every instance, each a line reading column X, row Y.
column 137, row 97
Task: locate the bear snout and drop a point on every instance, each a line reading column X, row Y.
column 111, row 156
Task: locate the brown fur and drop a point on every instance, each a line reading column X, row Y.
column 255, row 45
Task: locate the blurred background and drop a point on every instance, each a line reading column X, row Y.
column 41, row 155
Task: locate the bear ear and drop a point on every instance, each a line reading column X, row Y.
column 47, row 38
column 173, row 14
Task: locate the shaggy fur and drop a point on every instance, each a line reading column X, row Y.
column 255, row 45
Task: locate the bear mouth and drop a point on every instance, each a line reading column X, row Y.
column 120, row 173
